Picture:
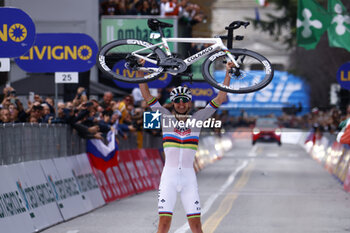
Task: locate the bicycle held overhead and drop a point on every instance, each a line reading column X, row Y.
column 252, row 71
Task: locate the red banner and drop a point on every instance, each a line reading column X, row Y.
column 127, row 159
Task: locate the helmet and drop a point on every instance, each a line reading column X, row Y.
column 180, row 91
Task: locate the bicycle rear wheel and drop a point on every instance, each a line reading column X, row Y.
column 116, row 61
column 255, row 71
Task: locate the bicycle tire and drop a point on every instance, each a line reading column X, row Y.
column 114, row 54
column 210, row 71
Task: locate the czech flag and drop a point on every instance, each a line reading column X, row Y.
column 103, row 156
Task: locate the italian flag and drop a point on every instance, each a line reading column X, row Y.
column 262, row 2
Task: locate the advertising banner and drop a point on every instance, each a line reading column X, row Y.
column 59, row 52
column 88, row 182
column 155, row 156
column 285, row 92
column 75, row 201
column 113, row 183
column 150, row 167
column 38, row 196
column 135, row 178
column 43, row 191
column 17, row 32
column 65, row 189
column 343, row 76
column 140, row 164
column 127, row 179
column 119, row 68
column 14, row 216
column 122, row 183
column 119, row 28
column 105, row 188
column 201, row 91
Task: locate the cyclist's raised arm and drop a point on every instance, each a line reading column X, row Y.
column 144, row 86
column 145, row 92
column 221, row 97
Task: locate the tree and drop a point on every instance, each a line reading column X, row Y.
column 319, row 66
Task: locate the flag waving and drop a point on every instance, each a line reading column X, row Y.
column 312, row 21
column 339, row 30
column 262, row 2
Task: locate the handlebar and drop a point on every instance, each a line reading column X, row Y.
column 237, row 24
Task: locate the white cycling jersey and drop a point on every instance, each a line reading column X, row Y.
column 180, row 144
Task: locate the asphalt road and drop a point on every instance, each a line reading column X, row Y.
column 252, row 189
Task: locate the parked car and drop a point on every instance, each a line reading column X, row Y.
column 266, row 130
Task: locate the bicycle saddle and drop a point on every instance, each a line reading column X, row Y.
column 154, row 24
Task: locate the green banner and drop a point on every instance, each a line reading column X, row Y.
column 116, row 28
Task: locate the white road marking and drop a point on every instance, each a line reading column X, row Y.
column 213, row 197
column 272, row 155
column 252, row 152
column 73, row 231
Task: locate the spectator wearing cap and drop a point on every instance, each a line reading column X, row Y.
column 36, row 112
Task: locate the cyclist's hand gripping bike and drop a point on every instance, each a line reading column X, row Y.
column 252, row 71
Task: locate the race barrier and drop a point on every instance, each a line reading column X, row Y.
column 333, row 156
column 123, row 173
column 38, row 194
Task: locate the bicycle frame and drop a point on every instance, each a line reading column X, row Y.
column 217, row 45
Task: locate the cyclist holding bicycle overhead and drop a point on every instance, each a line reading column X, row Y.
column 180, row 145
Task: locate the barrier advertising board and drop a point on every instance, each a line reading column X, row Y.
column 135, row 178
column 59, row 52
column 65, row 190
column 14, row 216
column 33, row 205
column 43, row 191
column 141, row 169
column 17, row 32
column 88, row 182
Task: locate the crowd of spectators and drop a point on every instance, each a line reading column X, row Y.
column 185, row 10
column 94, row 119
column 316, row 119
column 91, row 118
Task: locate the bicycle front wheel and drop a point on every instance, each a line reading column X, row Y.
column 254, row 73
column 116, row 60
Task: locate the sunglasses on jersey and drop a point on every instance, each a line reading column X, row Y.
column 184, row 100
